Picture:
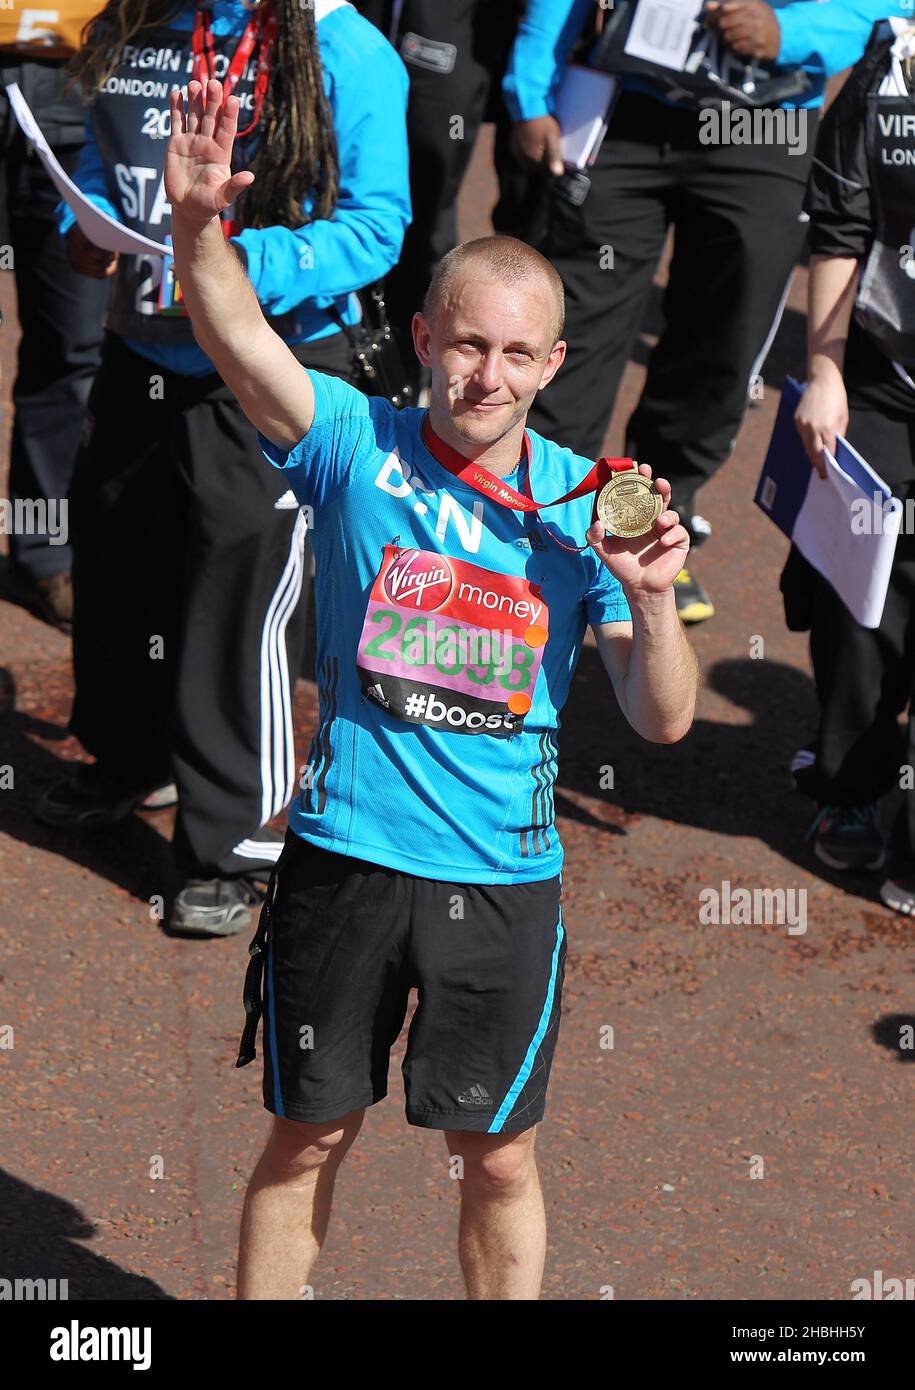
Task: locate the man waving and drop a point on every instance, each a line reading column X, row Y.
column 451, row 611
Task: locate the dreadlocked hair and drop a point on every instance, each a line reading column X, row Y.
column 292, row 151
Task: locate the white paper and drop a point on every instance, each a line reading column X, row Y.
column 856, row 564
column 582, row 107
column 662, row 31
column 98, row 226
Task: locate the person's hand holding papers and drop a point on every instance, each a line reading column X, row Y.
column 822, row 414
column 87, row 258
column 536, row 143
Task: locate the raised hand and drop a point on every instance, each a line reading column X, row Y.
column 199, row 182
column 650, row 562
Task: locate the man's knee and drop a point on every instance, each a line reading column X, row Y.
column 495, row 1165
column 295, row 1149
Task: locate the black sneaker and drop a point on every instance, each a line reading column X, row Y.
column 899, row 894
column 50, row 599
column 87, row 798
column 214, row 907
column 848, row 837
column 693, row 603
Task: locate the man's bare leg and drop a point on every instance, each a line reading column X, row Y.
column 502, row 1239
column 287, row 1205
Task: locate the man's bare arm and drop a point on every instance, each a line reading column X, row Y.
column 272, row 388
column 649, row 660
column 652, row 666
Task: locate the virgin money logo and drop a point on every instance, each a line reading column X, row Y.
column 419, row 580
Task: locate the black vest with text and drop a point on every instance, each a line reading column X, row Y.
column 885, row 307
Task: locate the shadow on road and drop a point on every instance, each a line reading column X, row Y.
column 39, row 1235
column 896, row 1032
column 132, row 855
column 729, row 779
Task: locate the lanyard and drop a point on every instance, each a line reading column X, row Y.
column 497, row 490
column 261, row 26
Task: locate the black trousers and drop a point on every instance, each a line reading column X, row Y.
column 865, row 677
column 188, row 615
column 736, row 211
column 455, row 85
column 60, row 313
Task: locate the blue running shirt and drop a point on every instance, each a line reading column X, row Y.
column 448, row 628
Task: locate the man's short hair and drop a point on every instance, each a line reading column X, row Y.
column 504, row 258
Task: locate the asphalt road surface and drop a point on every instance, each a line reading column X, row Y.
column 747, row 1135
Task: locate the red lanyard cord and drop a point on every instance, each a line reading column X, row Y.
column 260, row 27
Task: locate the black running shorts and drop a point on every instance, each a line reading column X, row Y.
column 337, row 951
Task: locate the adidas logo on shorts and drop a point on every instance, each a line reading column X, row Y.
column 476, row 1094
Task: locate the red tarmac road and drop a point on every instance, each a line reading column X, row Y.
column 736, row 1048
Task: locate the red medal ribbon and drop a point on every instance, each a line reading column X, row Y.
column 260, row 27
column 497, row 490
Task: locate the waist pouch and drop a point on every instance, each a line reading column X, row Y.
column 377, row 362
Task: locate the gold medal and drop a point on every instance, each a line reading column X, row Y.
column 629, row 505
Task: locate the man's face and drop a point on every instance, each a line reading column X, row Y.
column 490, row 349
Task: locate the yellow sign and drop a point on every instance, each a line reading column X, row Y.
column 45, row 33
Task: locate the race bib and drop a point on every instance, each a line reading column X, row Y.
column 171, row 300
column 450, row 645
column 158, row 290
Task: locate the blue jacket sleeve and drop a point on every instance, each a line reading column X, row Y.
column 89, row 179
column 828, row 36
column 333, row 256
column 545, row 37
